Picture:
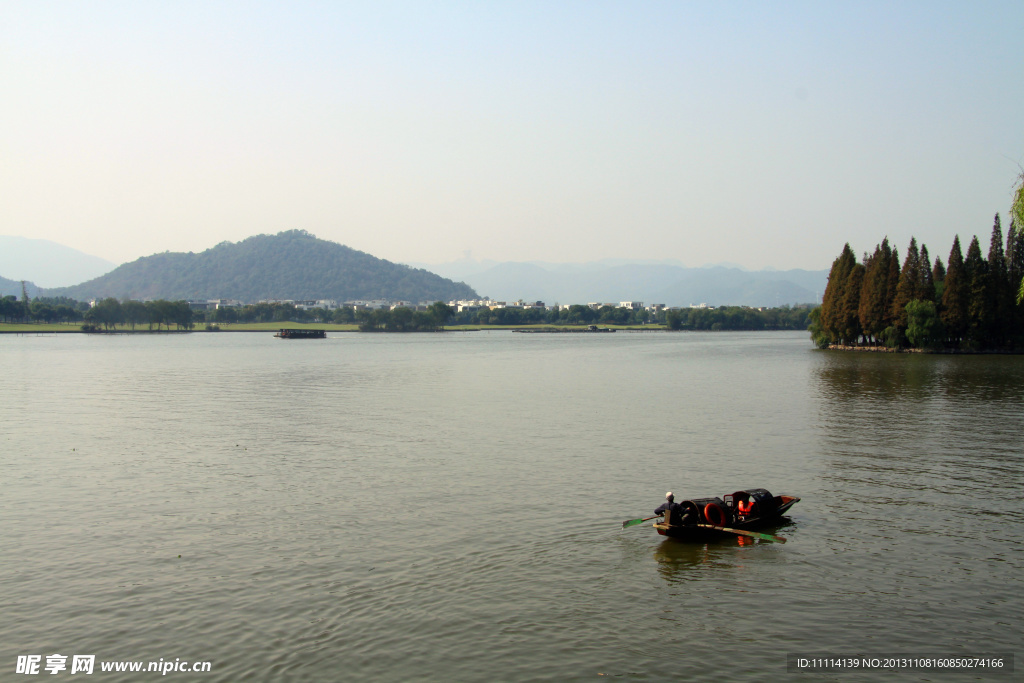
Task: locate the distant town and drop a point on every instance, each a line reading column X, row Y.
column 459, row 306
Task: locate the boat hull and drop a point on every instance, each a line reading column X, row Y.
column 701, row 533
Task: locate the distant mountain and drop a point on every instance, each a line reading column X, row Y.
column 288, row 265
column 48, row 263
column 13, row 288
column 651, row 282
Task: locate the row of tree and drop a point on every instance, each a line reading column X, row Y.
column 968, row 303
column 404, row 319
column 49, row 310
column 109, row 313
column 738, row 318
column 577, row 314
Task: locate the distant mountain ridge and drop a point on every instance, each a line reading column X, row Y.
column 289, row 265
column 47, row 263
column 651, row 282
column 297, row 265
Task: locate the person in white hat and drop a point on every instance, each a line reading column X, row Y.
column 670, row 506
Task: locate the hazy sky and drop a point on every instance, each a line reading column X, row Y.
column 765, row 134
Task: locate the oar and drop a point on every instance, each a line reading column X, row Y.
column 754, row 534
column 634, row 522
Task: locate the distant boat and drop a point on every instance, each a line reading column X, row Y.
column 301, row 334
column 703, row 518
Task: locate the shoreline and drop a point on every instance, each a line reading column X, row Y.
column 940, row 352
column 29, row 329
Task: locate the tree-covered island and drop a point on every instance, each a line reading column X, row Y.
column 967, row 304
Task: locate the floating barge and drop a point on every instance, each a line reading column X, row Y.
column 557, row 330
column 301, row 334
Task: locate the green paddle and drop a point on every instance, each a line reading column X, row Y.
column 753, row 534
column 634, row 522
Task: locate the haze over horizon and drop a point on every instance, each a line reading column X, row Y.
column 764, row 136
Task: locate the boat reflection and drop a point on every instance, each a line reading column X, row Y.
column 673, row 555
column 744, row 540
column 677, row 559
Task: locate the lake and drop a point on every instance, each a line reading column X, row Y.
column 448, row 507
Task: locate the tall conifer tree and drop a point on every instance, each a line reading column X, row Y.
column 926, row 288
column 955, row 295
column 873, row 292
column 938, row 272
column 890, row 285
column 938, row 279
column 1000, row 296
column 835, row 293
column 907, row 286
column 848, row 319
column 979, row 308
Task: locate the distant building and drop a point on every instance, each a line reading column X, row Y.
column 360, row 305
column 214, row 304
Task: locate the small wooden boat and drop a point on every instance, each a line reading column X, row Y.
column 703, row 519
column 301, row 334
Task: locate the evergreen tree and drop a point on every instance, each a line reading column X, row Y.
column 831, row 318
column 938, row 271
column 906, row 287
column 938, row 278
column 1000, row 296
column 925, row 285
column 873, row 297
column 979, row 309
column 848, row 319
column 955, row 296
column 890, row 286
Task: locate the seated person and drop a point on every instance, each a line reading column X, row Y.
column 677, row 511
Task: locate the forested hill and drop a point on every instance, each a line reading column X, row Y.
column 288, row 265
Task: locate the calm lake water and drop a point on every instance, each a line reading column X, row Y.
column 448, row 507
